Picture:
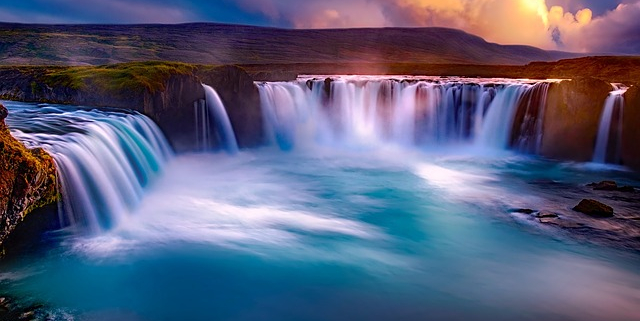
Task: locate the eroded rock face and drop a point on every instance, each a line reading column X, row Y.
column 630, row 152
column 572, row 118
column 27, row 179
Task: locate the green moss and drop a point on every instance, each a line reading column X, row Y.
column 133, row 76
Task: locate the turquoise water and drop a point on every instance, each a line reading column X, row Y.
column 336, row 234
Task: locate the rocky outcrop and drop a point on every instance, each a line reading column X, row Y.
column 630, row 153
column 167, row 98
column 572, row 118
column 27, row 179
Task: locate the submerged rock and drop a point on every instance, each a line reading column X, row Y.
column 594, row 208
column 611, row 186
column 627, row 189
column 560, row 222
column 546, row 214
column 522, row 210
column 604, row 186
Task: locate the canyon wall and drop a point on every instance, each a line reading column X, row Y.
column 630, row 152
column 166, row 97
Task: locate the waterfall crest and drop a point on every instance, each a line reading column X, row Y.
column 406, row 111
column 215, row 110
column 104, row 159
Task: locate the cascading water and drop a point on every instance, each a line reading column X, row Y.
column 104, row 159
column 405, row 111
column 215, row 109
column 528, row 123
column 607, row 149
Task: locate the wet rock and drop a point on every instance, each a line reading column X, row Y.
column 560, row 222
column 627, row 189
column 611, row 186
column 546, row 214
column 522, row 210
column 594, row 208
column 604, row 186
column 3, row 112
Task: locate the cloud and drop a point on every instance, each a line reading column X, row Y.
column 616, row 31
column 95, row 11
column 123, row 11
column 530, row 22
column 318, row 14
column 571, row 25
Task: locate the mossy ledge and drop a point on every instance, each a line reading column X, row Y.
column 164, row 91
column 27, row 179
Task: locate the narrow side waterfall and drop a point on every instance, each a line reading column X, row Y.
column 104, row 159
column 607, row 149
column 366, row 110
column 216, row 110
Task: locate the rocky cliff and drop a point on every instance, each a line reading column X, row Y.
column 27, row 179
column 630, row 152
column 572, row 118
column 165, row 92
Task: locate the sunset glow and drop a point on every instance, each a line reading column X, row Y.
column 570, row 25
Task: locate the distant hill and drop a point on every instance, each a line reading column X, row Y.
column 208, row 43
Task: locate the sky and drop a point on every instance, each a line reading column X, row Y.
column 596, row 26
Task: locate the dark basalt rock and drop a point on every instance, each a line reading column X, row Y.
column 594, row 208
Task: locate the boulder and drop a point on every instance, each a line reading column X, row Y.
column 594, row 208
column 572, row 118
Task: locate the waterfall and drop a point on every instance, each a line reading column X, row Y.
column 406, row 111
column 104, row 159
column 528, row 123
column 607, row 149
column 216, row 110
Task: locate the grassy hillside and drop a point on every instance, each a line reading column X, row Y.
column 231, row 44
column 611, row 69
